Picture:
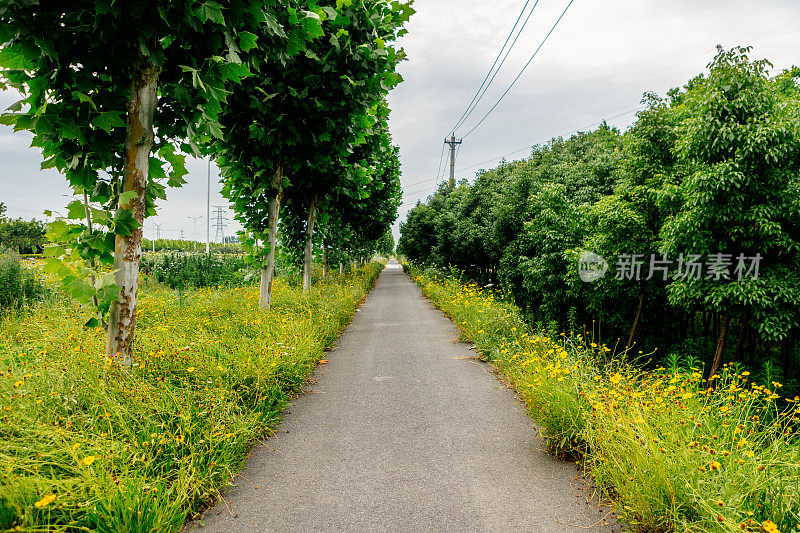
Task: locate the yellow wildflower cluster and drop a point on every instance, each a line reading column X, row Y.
column 671, row 447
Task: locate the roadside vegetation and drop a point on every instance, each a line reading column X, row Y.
column 87, row 444
column 20, row 284
column 691, row 218
column 673, row 451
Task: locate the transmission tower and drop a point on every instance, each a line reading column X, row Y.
column 219, row 223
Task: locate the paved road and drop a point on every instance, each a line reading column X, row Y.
column 402, row 432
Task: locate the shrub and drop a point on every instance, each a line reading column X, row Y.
column 18, row 285
column 185, row 271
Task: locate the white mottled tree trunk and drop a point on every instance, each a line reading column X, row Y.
column 312, row 218
column 128, row 248
column 265, row 300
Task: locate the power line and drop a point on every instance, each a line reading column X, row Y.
column 439, row 172
column 594, row 97
column 478, row 95
column 758, row 39
column 521, row 71
column 528, row 147
column 598, row 95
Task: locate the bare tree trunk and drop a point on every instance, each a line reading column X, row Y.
column 636, row 319
column 723, row 333
column 264, row 289
column 265, row 297
column 341, row 269
column 128, row 248
column 312, row 218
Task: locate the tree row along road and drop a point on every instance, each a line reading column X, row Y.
column 405, row 431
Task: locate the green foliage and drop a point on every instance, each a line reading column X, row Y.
column 187, row 271
column 22, row 236
column 18, row 285
column 713, row 168
column 306, row 119
column 80, row 67
column 739, row 132
column 358, row 214
column 179, row 245
column 385, row 245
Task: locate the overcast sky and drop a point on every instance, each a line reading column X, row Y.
column 596, row 64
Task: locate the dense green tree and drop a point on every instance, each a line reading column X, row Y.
column 740, row 135
column 385, row 245
column 22, row 236
column 287, row 129
column 711, row 170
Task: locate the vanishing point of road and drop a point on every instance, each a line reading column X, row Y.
column 403, row 430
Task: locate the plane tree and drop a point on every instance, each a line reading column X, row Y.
column 115, row 94
column 354, row 205
column 287, row 128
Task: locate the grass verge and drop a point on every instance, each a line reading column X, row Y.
column 672, row 451
column 88, row 446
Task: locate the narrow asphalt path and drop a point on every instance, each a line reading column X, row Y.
column 403, row 431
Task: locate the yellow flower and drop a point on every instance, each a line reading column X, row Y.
column 770, row 526
column 686, row 395
column 190, row 369
column 714, row 465
column 749, row 453
column 47, row 500
column 88, row 460
column 18, row 384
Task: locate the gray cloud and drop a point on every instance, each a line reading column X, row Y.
column 595, row 66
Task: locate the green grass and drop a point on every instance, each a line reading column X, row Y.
column 85, row 445
column 673, row 452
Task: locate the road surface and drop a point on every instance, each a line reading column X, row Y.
column 404, row 431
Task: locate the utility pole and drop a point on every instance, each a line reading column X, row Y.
column 453, row 143
column 208, row 209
